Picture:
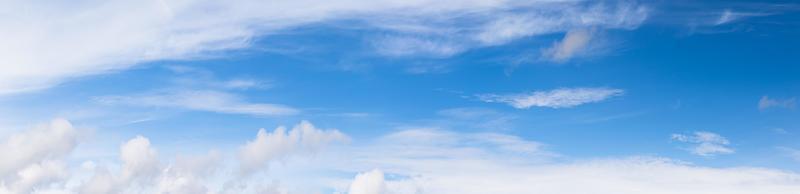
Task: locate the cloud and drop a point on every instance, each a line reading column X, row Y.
column 303, row 137
column 200, row 100
column 412, row 161
column 706, row 143
column 557, row 98
column 575, row 43
column 140, row 165
column 33, row 158
column 423, row 164
column 729, row 16
column 371, row 182
column 40, row 48
column 765, row 103
column 189, row 174
column 46, row 142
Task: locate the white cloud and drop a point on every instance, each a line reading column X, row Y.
column 303, row 137
column 200, row 100
column 47, row 43
column 45, row 142
column 705, row 143
column 728, row 16
column 765, row 103
column 38, row 174
column 371, row 182
column 189, row 174
column 140, row 165
column 557, row 98
column 421, row 164
column 575, row 43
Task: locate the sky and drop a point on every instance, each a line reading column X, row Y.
column 399, row 97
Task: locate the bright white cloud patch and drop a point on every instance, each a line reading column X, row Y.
column 33, row 158
column 46, row 43
column 705, row 143
column 303, row 137
column 766, row 102
column 558, row 98
column 200, row 100
column 371, row 182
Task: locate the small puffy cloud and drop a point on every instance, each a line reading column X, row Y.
column 705, row 143
column 766, row 102
column 371, row 182
column 557, row 98
column 575, row 43
column 139, row 158
column 200, row 100
column 280, row 143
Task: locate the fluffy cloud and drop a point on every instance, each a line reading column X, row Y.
column 371, row 182
column 32, row 158
column 200, row 100
column 558, row 98
column 303, row 137
column 47, row 43
column 140, row 166
column 765, row 103
column 706, row 143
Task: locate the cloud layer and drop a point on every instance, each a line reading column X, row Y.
column 47, row 43
column 416, row 160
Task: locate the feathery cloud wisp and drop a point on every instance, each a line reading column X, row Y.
column 558, row 98
column 706, row 143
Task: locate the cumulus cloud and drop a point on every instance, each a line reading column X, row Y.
column 140, row 165
column 302, row 138
column 32, row 158
column 40, row 48
column 766, row 102
column 200, row 100
column 46, row 142
column 557, row 98
column 189, row 174
column 575, row 43
column 371, row 182
column 705, row 143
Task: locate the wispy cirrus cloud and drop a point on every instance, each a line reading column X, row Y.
column 199, row 100
column 557, row 98
column 766, row 103
column 705, row 143
column 40, row 49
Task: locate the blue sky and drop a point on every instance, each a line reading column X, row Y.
column 399, row 97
